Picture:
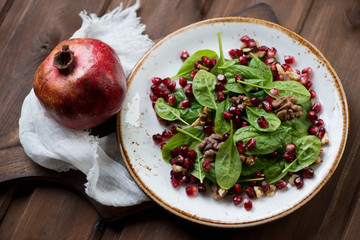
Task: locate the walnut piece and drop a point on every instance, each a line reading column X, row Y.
column 325, row 140
column 204, row 117
column 241, row 102
column 248, row 159
column 291, row 75
column 218, row 192
column 210, row 146
column 258, row 191
column 271, row 190
column 286, row 108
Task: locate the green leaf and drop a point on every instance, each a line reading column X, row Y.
column 181, row 139
column 308, row 149
column 261, row 163
column 229, row 63
column 297, row 129
column 167, row 112
column 263, row 69
column 203, row 89
column 221, row 125
column 227, row 164
column 211, row 174
column 241, row 70
column 189, row 63
column 265, row 142
column 197, row 171
column 290, row 87
column 275, row 173
column 253, row 113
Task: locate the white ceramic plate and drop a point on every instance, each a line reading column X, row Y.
column 137, row 121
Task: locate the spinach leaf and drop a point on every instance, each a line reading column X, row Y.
column 232, row 86
column 241, row 70
column 211, row 174
column 290, row 87
column 221, row 125
column 263, row 69
column 181, row 139
column 297, row 129
column 308, row 149
column 167, row 112
column 261, row 163
column 229, row 63
column 265, row 142
column 275, row 173
column 197, row 171
column 227, row 163
column 188, row 65
column 203, row 89
column 253, row 113
column 306, row 107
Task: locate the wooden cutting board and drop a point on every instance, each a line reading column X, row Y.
column 15, row 166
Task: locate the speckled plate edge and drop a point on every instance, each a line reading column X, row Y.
column 210, row 222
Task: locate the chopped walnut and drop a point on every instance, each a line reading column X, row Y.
column 291, row 75
column 248, row 159
column 292, row 178
column 325, row 140
column 218, row 192
column 241, row 102
column 243, row 46
column 286, row 108
column 204, row 117
column 260, row 54
column 210, row 145
column 202, row 67
column 271, row 190
column 178, row 168
column 258, row 191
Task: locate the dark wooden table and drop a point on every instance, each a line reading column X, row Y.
column 29, row 29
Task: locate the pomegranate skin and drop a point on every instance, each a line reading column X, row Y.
column 90, row 92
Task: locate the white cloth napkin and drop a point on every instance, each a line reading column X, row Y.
column 56, row 147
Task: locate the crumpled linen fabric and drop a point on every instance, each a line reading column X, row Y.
column 56, row 147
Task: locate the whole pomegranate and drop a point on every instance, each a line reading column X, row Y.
column 81, row 83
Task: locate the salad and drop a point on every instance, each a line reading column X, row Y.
column 244, row 127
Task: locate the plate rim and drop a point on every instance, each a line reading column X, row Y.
column 211, row 222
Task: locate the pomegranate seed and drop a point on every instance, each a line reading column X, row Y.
column 263, row 48
column 237, row 189
column 225, row 136
column 153, row 97
column 251, row 144
column 289, row 59
column 227, row 116
column 245, row 124
column 316, row 107
column 197, row 63
column 238, row 79
column 259, row 175
column 237, row 200
column 308, row 85
column 172, row 86
column 279, row 77
column 286, row 67
column 183, row 150
column 206, row 60
column 255, row 101
column 221, row 78
column 191, row 191
column 234, row 110
column 206, row 165
column 269, row 99
column 235, row 53
column 174, row 182
column 188, row 87
column 251, row 43
column 185, row 104
column 265, row 186
column 156, row 89
column 313, row 130
column 165, row 94
column 193, row 73
column 176, row 175
column 189, row 93
column 182, row 81
column 173, row 130
column 166, row 81
column 162, row 145
column 174, row 152
column 267, row 106
column 188, row 164
column 280, row 184
column 289, row 156
column 312, row 94
column 297, row 71
column 244, row 38
column 304, row 78
column 274, row 154
column 308, row 172
column 262, row 122
column 180, row 160
column 299, row 182
column 219, row 87
column 158, row 138
column 171, row 99
column 213, row 62
column 173, row 161
column 274, row 91
column 221, row 97
column 201, row 188
column 271, row 52
column 312, row 115
column 248, row 205
column 242, row 60
column 241, row 146
column 185, row 179
column 307, row 70
column 238, row 52
column 269, row 61
column 319, row 122
column 321, row 133
column 237, row 121
column 156, row 81
column 208, row 130
column 250, row 192
column 184, row 55
column 290, row 147
column 194, row 180
column 167, row 134
column 191, row 154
